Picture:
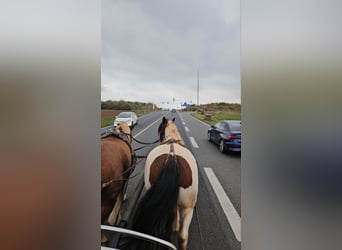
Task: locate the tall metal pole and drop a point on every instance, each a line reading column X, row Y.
column 197, row 87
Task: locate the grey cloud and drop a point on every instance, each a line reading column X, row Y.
column 151, row 50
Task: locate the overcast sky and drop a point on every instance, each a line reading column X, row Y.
column 151, row 51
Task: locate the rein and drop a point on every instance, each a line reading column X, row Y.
column 141, row 142
column 129, row 170
column 134, row 158
column 146, row 143
column 106, row 184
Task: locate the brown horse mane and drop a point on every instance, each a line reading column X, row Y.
column 162, row 126
column 161, row 131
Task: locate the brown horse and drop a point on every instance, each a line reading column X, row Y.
column 171, row 181
column 116, row 163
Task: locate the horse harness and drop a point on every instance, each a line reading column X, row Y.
column 172, row 141
column 172, row 153
column 133, row 159
column 134, row 156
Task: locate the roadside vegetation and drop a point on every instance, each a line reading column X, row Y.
column 126, row 105
column 107, row 121
column 214, row 112
column 110, row 109
column 208, row 113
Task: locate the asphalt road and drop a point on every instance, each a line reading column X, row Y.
column 216, row 221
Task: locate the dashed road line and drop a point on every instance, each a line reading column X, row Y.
column 227, row 206
column 187, row 129
column 193, row 142
column 140, row 132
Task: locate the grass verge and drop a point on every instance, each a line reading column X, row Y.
column 107, row 121
column 218, row 116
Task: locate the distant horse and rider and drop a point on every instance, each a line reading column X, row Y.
column 117, row 158
column 171, row 181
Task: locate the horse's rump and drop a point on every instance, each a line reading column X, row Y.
column 171, row 181
column 116, row 159
column 188, row 181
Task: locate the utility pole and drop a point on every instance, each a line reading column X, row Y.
column 197, row 87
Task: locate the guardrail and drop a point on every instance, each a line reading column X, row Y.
column 106, row 130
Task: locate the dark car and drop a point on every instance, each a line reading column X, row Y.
column 173, row 110
column 226, row 134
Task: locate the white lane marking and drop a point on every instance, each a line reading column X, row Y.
column 183, row 123
column 227, row 206
column 187, row 129
column 193, row 142
column 140, row 132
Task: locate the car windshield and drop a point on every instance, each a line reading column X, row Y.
column 124, row 115
column 235, row 126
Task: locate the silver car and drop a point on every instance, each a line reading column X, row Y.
column 129, row 117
